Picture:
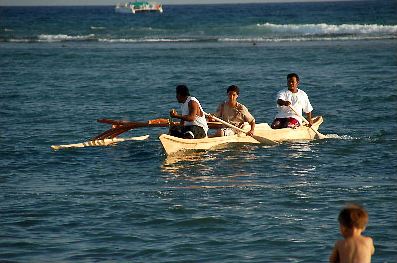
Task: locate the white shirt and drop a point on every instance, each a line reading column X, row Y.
column 299, row 101
column 200, row 120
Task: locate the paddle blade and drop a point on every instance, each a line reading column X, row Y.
column 159, row 121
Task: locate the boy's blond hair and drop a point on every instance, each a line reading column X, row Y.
column 353, row 216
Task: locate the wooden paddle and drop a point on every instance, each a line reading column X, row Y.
column 121, row 126
column 319, row 135
column 161, row 122
column 258, row 138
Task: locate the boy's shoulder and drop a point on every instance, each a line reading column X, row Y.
column 340, row 242
column 370, row 243
column 367, row 239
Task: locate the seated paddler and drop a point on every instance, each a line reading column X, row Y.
column 193, row 122
column 295, row 98
column 234, row 113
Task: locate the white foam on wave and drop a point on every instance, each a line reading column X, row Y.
column 63, row 37
column 306, row 38
column 97, row 27
column 22, row 40
column 281, row 33
column 146, row 40
column 323, row 28
column 340, row 137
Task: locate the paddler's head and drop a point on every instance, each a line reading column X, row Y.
column 293, row 82
column 182, row 92
column 233, row 92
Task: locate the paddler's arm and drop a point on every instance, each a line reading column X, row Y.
column 174, row 114
column 309, row 118
column 217, row 114
column 248, row 118
column 193, row 112
column 283, row 102
column 251, row 132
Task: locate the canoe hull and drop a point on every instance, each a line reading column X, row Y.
column 173, row 144
column 288, row 134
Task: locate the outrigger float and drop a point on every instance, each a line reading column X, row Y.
column 104, row 142
column 109, row 137
column 138, row 7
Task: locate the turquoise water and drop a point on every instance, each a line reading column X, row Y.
column 71, row 66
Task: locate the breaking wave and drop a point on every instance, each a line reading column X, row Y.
column 266, row 32
column 62, row 37
column 326, row 29
column 148, row 40
column 301, row 39
column 97, row 27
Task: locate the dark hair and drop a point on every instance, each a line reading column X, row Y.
column 182, row 90
column 293, row 75
column 233, row 88
column 353, row 216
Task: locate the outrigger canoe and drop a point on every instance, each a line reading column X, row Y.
column 173, row 144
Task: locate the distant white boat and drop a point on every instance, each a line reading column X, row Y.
column 138, row 7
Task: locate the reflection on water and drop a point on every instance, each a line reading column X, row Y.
column 186, row 157
column 222, row 168
column 299, row 163
column 219, row 168
column 187, row 163
column 181, row 158
column 300, row 149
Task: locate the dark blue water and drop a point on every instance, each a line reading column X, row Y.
column 204, row 23
column 63, row 68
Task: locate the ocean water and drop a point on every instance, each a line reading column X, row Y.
column 61, row 68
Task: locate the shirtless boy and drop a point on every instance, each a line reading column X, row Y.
column 354, row 248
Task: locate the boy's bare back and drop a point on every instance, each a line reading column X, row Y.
column 353, row 250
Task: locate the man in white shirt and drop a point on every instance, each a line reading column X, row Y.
column 194, row 124
column 297, row 99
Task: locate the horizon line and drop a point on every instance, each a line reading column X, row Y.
column 215, row 3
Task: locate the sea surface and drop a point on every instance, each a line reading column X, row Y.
column 62, row 68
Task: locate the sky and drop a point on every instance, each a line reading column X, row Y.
column 113, row 2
